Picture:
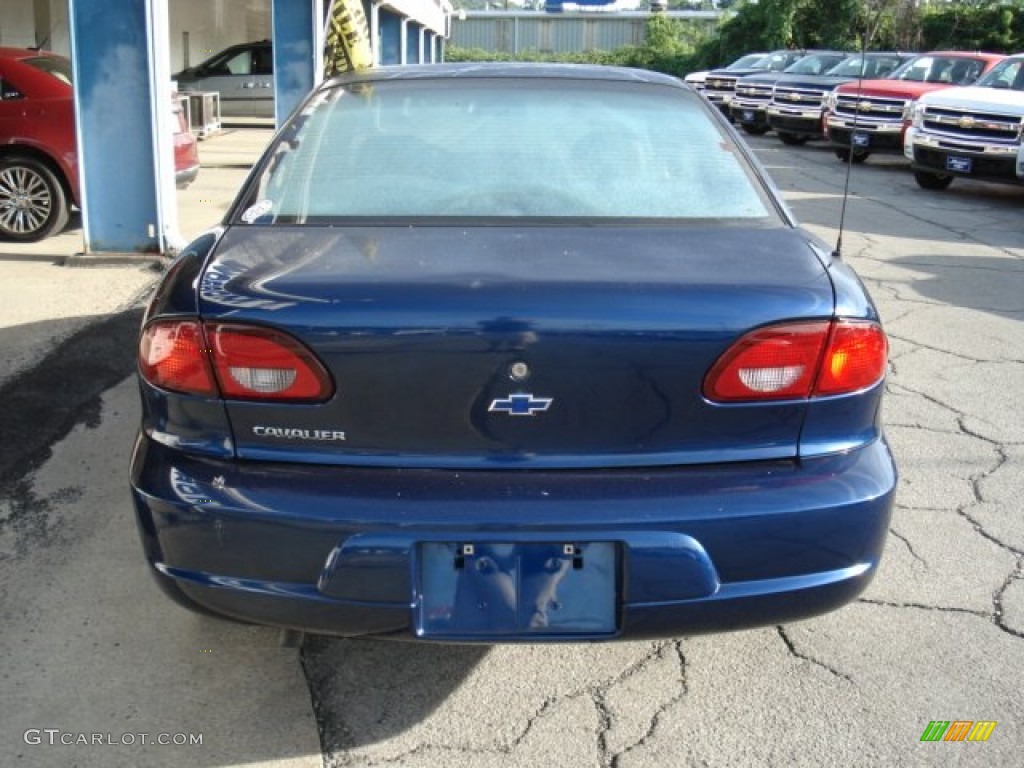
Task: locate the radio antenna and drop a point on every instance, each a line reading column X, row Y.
column 838, row 252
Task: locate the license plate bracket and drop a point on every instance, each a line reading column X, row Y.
column 860, row 140
column 748, row 116
column 509, row 589
column 958, row 164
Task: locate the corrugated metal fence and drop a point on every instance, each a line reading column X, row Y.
column 517, row 31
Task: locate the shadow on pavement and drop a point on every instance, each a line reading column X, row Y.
column 886, row 201
column 42, row 405
column 368, row 691
column 980, row 283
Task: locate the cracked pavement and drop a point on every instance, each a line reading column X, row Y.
column 939, row 634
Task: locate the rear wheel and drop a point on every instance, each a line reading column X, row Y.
column 756, row 130
column 859, row 156
column 32, row 201
column 927, row 180
column 791, row 139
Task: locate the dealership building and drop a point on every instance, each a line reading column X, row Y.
column 124, row 53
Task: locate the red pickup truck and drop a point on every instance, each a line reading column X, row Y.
column 872, row 115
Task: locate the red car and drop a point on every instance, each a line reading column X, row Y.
column 38, row 156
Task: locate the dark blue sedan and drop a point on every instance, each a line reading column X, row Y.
column 506, row 353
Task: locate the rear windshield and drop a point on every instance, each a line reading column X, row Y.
column 54, row 65
column 505, row 148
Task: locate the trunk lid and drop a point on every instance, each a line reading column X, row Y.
column 441, row 339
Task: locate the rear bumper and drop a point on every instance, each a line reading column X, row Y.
column 340, row 551
column 185, row 176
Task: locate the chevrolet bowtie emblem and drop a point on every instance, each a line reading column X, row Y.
column 520, row 405
column 966, row 122
column 864, row 106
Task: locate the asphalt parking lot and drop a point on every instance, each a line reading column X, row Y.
column 90, row 647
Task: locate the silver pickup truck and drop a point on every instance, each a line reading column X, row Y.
column 976, row 131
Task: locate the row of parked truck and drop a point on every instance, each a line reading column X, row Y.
column 951, row 113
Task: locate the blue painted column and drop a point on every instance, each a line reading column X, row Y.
column 123, row 123
column 298, row 28
column 390, row 37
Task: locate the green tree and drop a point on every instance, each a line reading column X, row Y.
column 989, row 26
column 675, row 47
column 668, row 45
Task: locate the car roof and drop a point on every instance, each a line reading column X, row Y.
column 237, row 47
column 966, row 54
column 31, row 81
column 510, row 70
column 23, row 53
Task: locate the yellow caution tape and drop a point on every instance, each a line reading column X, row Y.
column 348, row 39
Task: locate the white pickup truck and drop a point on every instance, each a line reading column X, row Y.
column 975, row 131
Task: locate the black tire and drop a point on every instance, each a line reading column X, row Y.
column 755, row 130
column 32, row 200
column 858, row 157
column 928, row 180
column 791, row 139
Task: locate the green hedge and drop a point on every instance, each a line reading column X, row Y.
column 669, row 47
column 677, row 48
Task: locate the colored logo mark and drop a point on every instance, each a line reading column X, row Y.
column 958, row 730
column 520, row 405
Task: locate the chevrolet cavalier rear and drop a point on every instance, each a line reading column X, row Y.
column 504, row 353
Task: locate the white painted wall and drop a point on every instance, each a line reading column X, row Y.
column 60, row 28
column 212, row 26
column 258, row 18
column 17, row 23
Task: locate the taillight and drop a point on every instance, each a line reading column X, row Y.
column 255, row 363
column 172, row 355
column 799, row 360
column 855, row 359
column 237, row 362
